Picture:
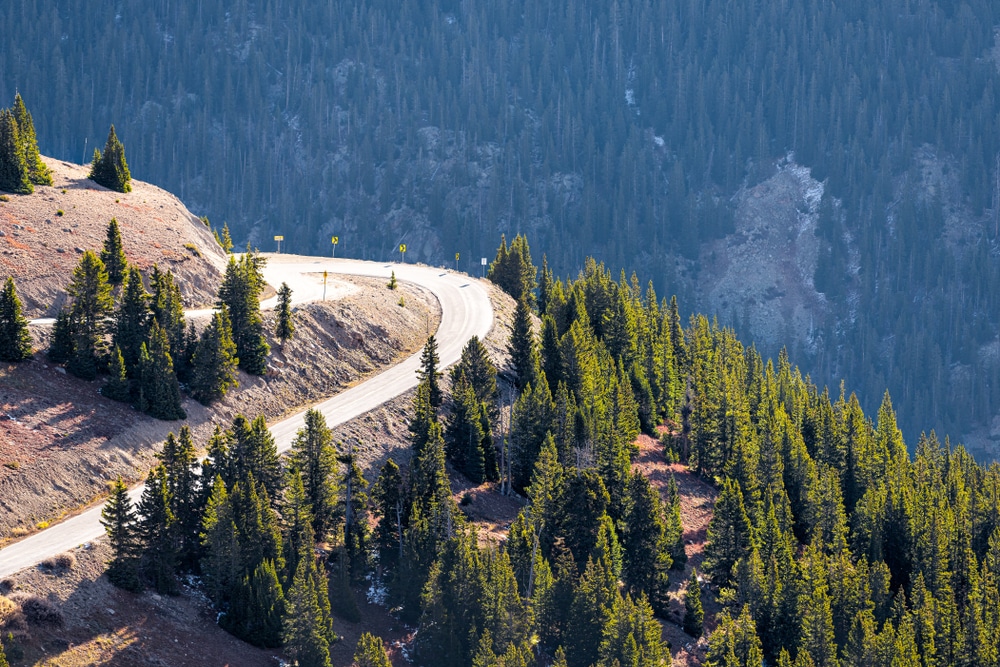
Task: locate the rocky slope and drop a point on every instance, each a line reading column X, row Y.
column 43, row 234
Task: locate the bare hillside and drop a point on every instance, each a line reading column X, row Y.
column 43, row 234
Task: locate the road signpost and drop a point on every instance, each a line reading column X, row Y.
column 335, row 240
column 402, row 253
column 279, row 239
column 482, row 263
column 456, row 261
column 324, row 286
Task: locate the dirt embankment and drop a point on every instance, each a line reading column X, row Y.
column 61, row 442
column 42, row 236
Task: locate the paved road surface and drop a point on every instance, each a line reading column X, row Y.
column 465, row 312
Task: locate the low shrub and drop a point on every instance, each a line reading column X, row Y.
column 37, row 610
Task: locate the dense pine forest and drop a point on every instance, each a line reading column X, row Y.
column 830, row 544
column 620, row 130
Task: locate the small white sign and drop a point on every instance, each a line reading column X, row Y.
column 483, row 261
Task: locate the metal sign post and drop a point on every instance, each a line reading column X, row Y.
column 324, row 286
column 336, row 240
column 482, row 263
column 456, row 261
column 279, row 239
column 402, row 253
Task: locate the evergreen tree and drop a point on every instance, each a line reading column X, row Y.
column 14, row 174
column 314, row 456
column 353, row 508
column 61, row 345
column 370, row 652
column 109, row 168
column 91, row 305
column 113, row 254
column 225, row 240
column 531, row 419
column 589, row 615
column 428, row 372
column 734, row 642
column 157, row 532
column 167, row 307
column 476, row 368
column 464, row 435
column 285, row 327
column 675, row 529
column 118, row 387
column 513, row 271
column 214, row 362
column 15, row 340
column 694, row 615
column 240, row 293
column 306, row 636
column 265, row 607
column 423, row 419
column 160, row 395
column 132, row 320
column 38, row 173
column 186, row 502
column 296, row 524
column 4, row 663
column 632, row 636
column 221, row 562
column 255, row 455
column 729, row 533
column 647, row 549
column 119, row 520
column 522, row 348
column 486, row 445
column 387, row 494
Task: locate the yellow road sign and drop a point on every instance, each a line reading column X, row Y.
column 336, row 240
column 279, row 238
column 402, row 247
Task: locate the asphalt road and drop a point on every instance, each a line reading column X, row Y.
column 465, row 312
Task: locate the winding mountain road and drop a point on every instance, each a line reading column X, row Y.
column 465, row 312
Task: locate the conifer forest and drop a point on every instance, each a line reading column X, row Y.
column 853, row 490
column 620, row 130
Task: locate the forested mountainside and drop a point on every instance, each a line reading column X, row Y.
column 626, row 130
column 829, row 543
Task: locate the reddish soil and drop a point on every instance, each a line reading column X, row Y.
column 697, row 501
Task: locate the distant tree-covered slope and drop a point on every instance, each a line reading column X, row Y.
column 620, row 129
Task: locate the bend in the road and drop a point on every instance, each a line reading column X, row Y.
column 465, row 312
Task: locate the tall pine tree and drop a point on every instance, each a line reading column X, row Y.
column 113, row 254
column 160, row 394
column 109, row 168
column 92, row 304
column 119, row 520
column 284, row 328
column 15, row 340
column 240, row 293
column 214, row 361
column 428, row 372
column 38, row 173
column 314, row 456
column 522, row 347
column 14, row 174
column 132, row 320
